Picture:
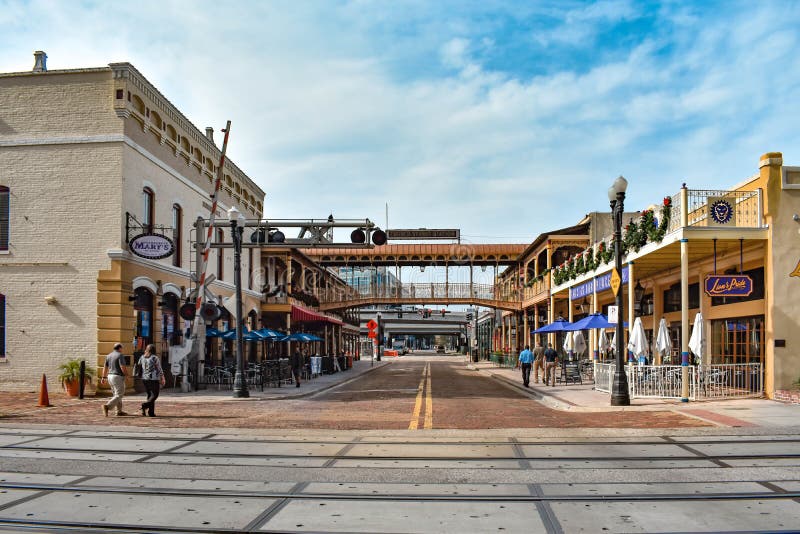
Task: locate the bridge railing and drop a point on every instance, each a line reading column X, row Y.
column 432, row 291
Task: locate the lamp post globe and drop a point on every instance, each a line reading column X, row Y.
column 619, row 386
column 237, row 228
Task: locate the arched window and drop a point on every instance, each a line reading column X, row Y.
column 220, row 254
column 2, row 326
column 177, row 233
column 148, row 208
column 5, row 215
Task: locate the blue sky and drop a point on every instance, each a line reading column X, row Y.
column 504, row 119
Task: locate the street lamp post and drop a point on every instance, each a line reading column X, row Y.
column 237, row 228
column 380, row 337
column 619, row 387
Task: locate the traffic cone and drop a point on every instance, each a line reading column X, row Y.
column 44, row 399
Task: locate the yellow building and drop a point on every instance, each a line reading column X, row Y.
column 89, row 158
column 679, row 251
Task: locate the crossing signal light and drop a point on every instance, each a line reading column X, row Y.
column 379, row 237
column 469, row 317
column 187, row 312
column 358, row 236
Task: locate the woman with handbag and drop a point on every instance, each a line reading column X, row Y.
column 152, row 377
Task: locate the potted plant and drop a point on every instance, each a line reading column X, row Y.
column 70, row 376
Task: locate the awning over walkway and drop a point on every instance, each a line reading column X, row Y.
column 304, row 315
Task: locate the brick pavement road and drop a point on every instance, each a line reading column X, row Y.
column 441, row 394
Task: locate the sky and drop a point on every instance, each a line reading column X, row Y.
column 502, row 119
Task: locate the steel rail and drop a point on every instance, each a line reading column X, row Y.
column 207, row 455
column 344, row 496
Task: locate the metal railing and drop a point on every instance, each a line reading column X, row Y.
column 536, row 288
column 746, row 206
column 411, row 291
column 719, row 381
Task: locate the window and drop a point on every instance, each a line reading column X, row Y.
column 5, row 214
column 177, row 234
column 148, row 208
column 220, row 254
column 738, row 340
column 672, row 297
column 2, row 326
column 250, row 268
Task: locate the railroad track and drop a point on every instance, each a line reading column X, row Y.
column 116, row 481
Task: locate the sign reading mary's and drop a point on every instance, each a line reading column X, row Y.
column 151, row 246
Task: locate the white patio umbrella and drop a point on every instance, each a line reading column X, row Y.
column 637, row 343
column 697, row 343
column 663, row 340
column 579, row 343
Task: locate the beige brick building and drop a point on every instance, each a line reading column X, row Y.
column 84, row 154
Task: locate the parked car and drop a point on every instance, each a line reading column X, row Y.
column 440, row 349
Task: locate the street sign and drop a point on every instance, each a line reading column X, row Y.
column 372, row 334
column 613, row 314
column 409, row 234
column 615, row 282
column 371, row 324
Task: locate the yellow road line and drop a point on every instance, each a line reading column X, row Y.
column 414, row 424
column 429, row 402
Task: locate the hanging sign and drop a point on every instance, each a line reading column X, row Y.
column 728, row 285
column 151, row 246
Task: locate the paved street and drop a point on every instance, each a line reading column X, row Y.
column 397, row 481
column 416, row 444
column 416, row 392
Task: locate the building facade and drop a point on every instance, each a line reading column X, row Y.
column 88, row 159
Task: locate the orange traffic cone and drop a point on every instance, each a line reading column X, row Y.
column 44, row 399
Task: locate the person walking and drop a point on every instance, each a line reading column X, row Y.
column 524, row 361
column 114, row 370
column 296, row 363
column 538, row 362
column 152, row 378
column 550, row 362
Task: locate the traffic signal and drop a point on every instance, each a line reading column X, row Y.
column 469, row 317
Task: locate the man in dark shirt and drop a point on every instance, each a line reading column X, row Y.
column 296, row 363
column 550, row 362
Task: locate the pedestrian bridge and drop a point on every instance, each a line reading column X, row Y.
column 437, row 294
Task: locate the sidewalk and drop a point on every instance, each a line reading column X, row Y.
column 584, row 398
column 285, row 391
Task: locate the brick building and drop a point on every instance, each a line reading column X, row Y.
column 89, row 157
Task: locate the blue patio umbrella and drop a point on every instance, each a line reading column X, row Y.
column 593, row 321
column 559, row 325
column 268, row 334
column 246, row 336
column 213, row 332
column 300, row 336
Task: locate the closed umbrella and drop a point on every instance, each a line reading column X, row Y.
column 579, row 343
column 697, row 343
column 637, row 343
column 663, row 340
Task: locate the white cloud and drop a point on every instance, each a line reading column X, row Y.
column 332, row 109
